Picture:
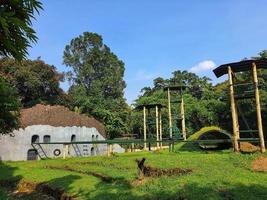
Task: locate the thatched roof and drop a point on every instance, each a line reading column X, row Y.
column 57, row 116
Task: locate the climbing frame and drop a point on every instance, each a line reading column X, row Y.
column 231, row 69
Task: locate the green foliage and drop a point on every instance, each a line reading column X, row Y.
column 36, row 82
column 9, row 107
column 16, row 31
column 202, row 104
column 97, row 81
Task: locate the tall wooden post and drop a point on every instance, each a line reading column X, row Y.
column 258, row 108
column 160, row 128
column 170, row 114
column 157, row 126
column 144, row 113
column 183, row 119
column 170, row 118
column 233, row 110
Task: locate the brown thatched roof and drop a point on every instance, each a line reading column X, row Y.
column 57, row 116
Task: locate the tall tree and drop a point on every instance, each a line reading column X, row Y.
column 16, row 33
column 97, row 81
column 35, row 81
column 9, row 107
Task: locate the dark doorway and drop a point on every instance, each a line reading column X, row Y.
column 35, row 138
column 73, row 138
column 92, row 151
column 32, row 154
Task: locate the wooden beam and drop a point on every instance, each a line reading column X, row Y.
column 258, row 107
column 157, row 126
column 233, row 110
column 169, row 111
column 170, row 117
column 144, row 113
column 183, row 119
column 160, row 128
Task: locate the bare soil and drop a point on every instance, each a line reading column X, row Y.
column 148, row 171
column 260, row 164
column 247, row 147
column 32, row 191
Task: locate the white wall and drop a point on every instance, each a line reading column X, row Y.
column 16, row 147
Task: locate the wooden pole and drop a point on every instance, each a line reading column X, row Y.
column 108, row 149
column 258, row 108
column 183, row 120
column 160, row 128
column 233, row 110
column 144, row 110
column 170, row 118
column 170, row 115
column 64, row 151
column 157, row 126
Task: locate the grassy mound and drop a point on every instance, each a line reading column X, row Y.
column 197, row 135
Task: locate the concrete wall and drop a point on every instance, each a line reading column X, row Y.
column 16, row 147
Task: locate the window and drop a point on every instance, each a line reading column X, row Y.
column 92, row 151
column 47, row 139
column 32, row 154
column 93, row 137
column 73, row 138
column 35, row 138
column 96, row 138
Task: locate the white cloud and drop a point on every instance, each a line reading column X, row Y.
column 203, row 66
column 141, row 75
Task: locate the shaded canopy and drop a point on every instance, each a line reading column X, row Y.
column 241, row 66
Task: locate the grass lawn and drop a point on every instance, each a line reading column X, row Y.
column 216, row 175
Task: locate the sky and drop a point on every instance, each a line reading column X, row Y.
column 155, row 37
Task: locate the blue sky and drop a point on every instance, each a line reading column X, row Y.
column 155, row 37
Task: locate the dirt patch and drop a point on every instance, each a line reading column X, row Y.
column 57, row 116
column 247, row 147
column 260, row 164
column 30, row 190
column 102, row 164
column 148, row 171
column 104, row 178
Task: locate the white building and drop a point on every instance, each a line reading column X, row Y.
column 49, row 124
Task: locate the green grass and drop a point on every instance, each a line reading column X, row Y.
column 218, row 175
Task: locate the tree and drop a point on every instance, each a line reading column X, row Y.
column 97, row 81
column 202, row 103
column 9, row 107
column 16, row 33
column 35, row 81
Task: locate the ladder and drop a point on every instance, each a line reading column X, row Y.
column 40, row 151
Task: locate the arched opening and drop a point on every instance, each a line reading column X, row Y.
column 35, row 138
column 73, row 138
column 32, row 154
column 215, row 135
column 92, row 151
column 93, row 137
column 47, row 139
column 96, row 138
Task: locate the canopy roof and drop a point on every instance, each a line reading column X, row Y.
column 175, row 87
column 150, row 106
column 241, row 66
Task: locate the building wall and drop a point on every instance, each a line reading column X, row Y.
column 16, row 146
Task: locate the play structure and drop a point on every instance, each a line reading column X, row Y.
column 175, row 119
column 55, row 131
column 247, row 90
column 149, row 123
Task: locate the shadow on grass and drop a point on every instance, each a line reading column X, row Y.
column 15, row 187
